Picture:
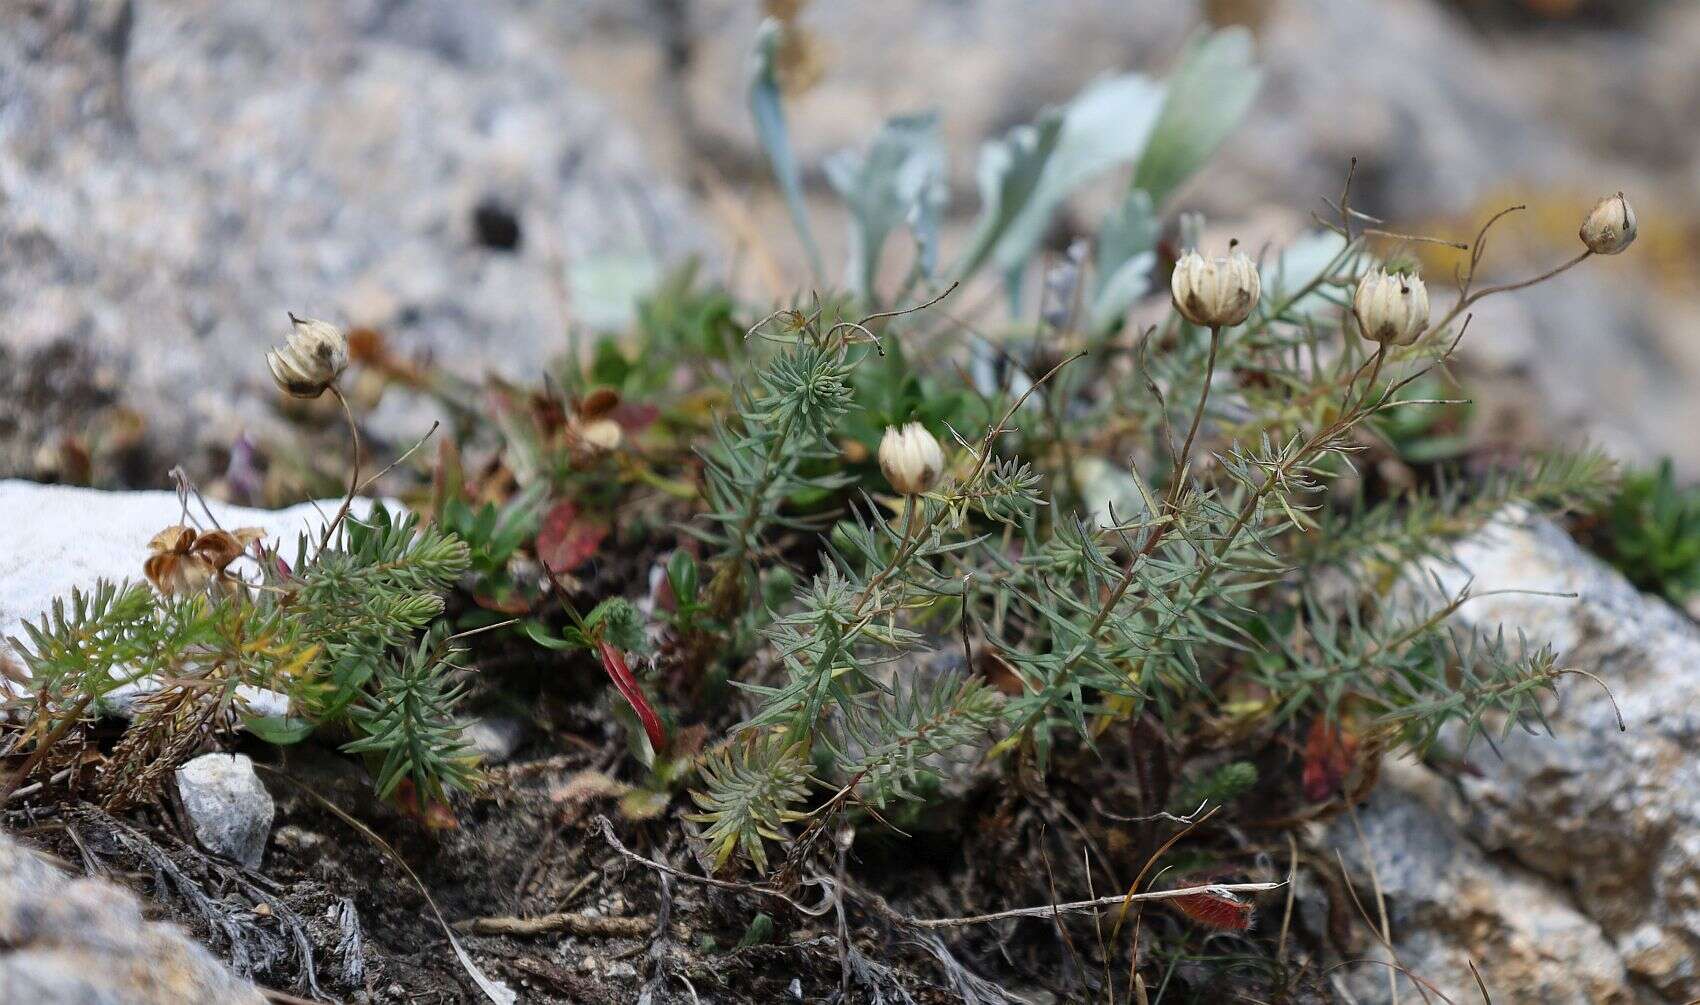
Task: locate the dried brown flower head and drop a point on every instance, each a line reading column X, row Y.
column 313, row 355
column 183, row 560
column 1215, row 292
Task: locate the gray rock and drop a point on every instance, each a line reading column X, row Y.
column 1611, row 816
column 174, row 176
column 495, row 738
column 66, row 941
column 1449, row 904
column 230, row 810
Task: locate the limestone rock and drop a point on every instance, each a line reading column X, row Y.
column 175, row 176
column 228, row 807
column 1610, row 815
column 494, row 737
column 66, row 941
column 1449, row 904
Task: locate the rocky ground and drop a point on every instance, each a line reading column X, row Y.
column 477, row 182
column 1451, row 120
column 1561, row 866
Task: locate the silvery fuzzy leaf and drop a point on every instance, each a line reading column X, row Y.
column 899, row 181
column 769, row 115
column 1208, row 95
column 1008, row 175
column 606, row 288
column 1025, row 176
column 1120, row 289
column 1125, row 258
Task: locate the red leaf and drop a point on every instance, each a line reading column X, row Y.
column 435, row 814
column 1222, row 911
column 508, row 601
column 1329, row 755
column 614, row 662
column 635, row 418
column 566, row 540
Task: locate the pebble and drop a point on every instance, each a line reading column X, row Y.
column 230, row 810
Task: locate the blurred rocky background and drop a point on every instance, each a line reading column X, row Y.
column 479, row 180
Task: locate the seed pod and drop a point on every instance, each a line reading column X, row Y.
column 1391, row 309
column 910, row 458
column 313, row 356
column 1610, row 228
column 1215, row 292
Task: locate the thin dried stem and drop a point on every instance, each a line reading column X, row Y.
column 1197, row 413
column 1049, row 910
column 353, row 470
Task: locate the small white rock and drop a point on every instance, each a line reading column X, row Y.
column 494, row 738
column 230, row 810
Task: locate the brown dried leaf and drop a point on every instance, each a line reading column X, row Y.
column 566, row 540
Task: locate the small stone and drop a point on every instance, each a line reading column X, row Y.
column 495, row 737
column 298, row 840
column 230, row 810
column 621, row 970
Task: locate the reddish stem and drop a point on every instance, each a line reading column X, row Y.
column 614, row 662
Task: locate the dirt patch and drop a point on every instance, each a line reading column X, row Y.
column 528, row 847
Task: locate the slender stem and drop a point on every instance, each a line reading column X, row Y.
column 1050, row 910
column 1369, row 385
column 9, row 786
column 1198, row 413
column 907, row 545
column 758, row 492
column 353, row 469
column 1465, row 301
column 985, row 453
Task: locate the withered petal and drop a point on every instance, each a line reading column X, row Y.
column 598, row 403
column 218, row 548
column 176, row 537
column 158, row 568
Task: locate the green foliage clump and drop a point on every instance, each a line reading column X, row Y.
column 1652, row 533
column 334, row 632
column 1223, row 784
column 1257, row 567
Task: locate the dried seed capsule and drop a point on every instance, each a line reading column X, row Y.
column 313, row 356
column 1610, row 228
column 1215, row 292
column 910, row 458
column 1391, row 309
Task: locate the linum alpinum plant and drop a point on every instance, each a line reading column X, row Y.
column 1231, row 579
column 1208, row 586
column 345, row 631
